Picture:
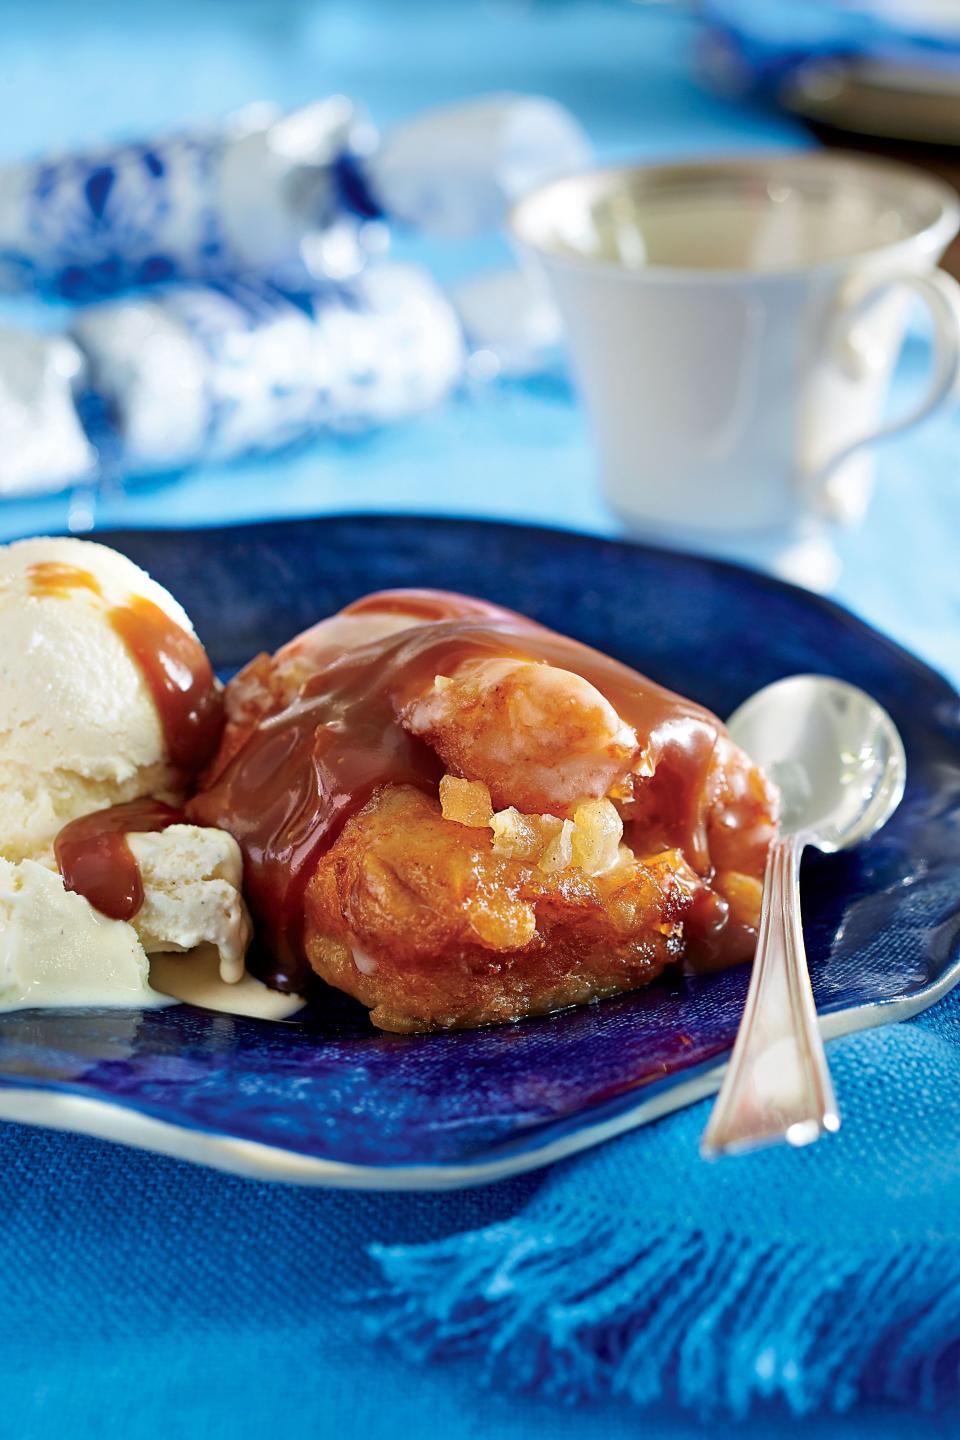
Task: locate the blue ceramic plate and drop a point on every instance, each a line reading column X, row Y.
column 326, row 1099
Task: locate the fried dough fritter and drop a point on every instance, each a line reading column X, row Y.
column 539, row 737
column 461, row 818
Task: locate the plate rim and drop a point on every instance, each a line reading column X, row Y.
column 256, row 1160
column 125, row 1124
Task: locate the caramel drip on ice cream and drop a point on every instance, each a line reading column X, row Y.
column 171, row 660
column 54, row 578
column 178, row 674
column 95, row 860
column 92, row 852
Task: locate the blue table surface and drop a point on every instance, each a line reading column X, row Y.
column 72, row 73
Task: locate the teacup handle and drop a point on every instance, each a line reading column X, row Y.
column 941, row 295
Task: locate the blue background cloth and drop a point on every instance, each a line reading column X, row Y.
column 142, row 1296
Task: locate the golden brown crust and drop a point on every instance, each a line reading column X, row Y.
column 417, row 918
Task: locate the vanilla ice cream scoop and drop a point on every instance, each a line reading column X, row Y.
column 108, row 708
column 106, row 695
column 55, row 949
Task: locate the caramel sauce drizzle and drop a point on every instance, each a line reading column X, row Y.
column 95, row 860
column 179, row 676
column 53, row 577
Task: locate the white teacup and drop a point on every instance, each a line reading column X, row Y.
column 733, row 326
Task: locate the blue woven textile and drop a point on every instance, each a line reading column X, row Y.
column 142, row 1296
column 821, row 1278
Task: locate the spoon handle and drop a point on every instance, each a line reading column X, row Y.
column 777, row 1085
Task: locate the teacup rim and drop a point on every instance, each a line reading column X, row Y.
column 936, row 235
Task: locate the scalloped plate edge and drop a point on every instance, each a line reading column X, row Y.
column 123, row 1125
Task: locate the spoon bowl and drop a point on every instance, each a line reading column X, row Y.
column 834, row 753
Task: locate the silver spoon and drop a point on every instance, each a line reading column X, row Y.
column 839, row 762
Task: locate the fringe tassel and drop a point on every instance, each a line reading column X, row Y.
column 712, row 1324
